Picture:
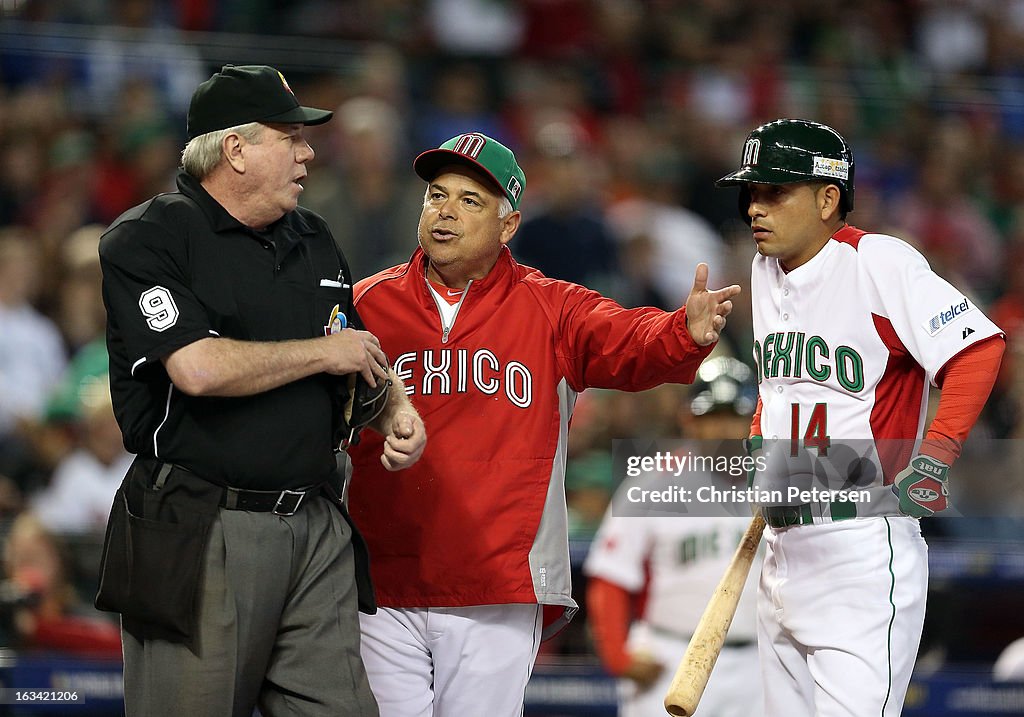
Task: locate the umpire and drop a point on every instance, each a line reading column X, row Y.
column 235, row 353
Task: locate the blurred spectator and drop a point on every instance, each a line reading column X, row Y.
column 568, row 236
column 366, row 192
column 475, row 28
column 588, row 488
column 139, row 163
column 681, row 238
column 22, row 169
column 381, row 73
column 461, row 94
column 556, row 29
column 65, row 201
column 139, row 45
column 393, row 21
column 32, row 355
column 636, row 261
column 78, row 497
column 41, row 607
column 79, row 301
column 710, row 150
column 951, row 36
column 1005, row 409
column 947, row 223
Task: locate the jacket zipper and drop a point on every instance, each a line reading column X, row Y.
column 447, row 328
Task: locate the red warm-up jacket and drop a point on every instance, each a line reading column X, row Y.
column 481, row 517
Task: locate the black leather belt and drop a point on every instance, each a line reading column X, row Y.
column 783, row 516
column 279, row 502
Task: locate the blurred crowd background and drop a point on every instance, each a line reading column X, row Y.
column 622, row 114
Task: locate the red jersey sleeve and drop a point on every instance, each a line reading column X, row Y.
column 966, row 382
column 755, row 420
column 608, row 612
column 603, row 345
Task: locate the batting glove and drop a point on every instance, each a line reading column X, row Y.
column 921, row 487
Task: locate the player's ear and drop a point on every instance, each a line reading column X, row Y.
column 829, row 199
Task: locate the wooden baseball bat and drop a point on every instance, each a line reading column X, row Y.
column 695, row 668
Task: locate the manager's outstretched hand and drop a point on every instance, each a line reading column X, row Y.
column 706, row 310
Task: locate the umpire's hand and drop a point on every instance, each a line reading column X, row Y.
column 706, row 310
column 353, row 351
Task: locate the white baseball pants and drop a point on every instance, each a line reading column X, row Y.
column 451, row 662
column 840, row 611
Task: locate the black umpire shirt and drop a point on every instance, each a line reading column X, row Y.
column 179, row 268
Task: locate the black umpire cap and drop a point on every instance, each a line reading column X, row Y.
column 240, row 94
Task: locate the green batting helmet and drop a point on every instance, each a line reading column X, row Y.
column 794, row 150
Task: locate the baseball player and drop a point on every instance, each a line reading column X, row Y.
column 675, row 562
column 470, row 544
column 851, row 328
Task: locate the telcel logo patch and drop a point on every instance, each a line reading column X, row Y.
column 944, row 318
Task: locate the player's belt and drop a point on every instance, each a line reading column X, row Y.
column 737, row 642
column 783, row 516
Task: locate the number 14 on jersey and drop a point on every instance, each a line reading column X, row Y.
column 815, row 435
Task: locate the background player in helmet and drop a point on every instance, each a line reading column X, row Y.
column 674, row 562
column 850, row 329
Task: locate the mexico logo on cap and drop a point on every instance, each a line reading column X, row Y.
column 285, row 83
column 470, row 145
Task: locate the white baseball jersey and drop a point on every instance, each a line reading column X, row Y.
column 676, row 562
column 847, row 345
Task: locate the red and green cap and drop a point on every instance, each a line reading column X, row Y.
column 480, row 151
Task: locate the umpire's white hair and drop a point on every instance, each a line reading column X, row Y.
column 203, row 153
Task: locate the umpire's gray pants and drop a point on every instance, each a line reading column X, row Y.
column 277, row 627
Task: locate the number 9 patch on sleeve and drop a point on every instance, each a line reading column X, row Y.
column 159, row 308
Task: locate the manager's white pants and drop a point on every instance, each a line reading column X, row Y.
column 451, row 662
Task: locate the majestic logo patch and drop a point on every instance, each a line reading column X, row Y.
column 944, row 318
column 828, row 167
